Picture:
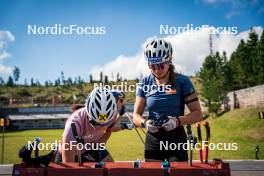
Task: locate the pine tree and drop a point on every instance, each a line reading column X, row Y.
column 258, row 63
column 62, row 78
column 106, row 79
column 91, row 78
column 16, row 74
column 2, row 82
column 236, row 62
column 101, row 77
column 212, row 78
column 252, row 57
column 10, row 81
column 32, row 83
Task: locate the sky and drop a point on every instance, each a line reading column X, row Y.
column 127, row 26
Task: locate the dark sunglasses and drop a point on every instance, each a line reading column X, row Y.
column 160, row 66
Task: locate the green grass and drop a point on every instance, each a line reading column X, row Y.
column 239, row 126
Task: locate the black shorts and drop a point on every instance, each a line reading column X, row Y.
column 88, row 156
column 166, row 145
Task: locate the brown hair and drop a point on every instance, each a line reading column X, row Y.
column 172, row 76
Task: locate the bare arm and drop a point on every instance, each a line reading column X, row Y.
column 139, row 107
column 195, row 114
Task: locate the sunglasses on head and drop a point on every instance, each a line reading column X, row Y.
column 160, row 66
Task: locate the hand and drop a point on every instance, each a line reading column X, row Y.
column 171, row 124
column 151, row 127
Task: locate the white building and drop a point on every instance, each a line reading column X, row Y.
column 36, row 117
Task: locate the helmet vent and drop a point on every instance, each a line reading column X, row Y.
column 108, row 113
column 97, row 112
column 159, row 53
column 98, row 104
column 98, row 96
column 155, row 45
column 108, row 97
column 166, row 44
column 109, row 105
column 93, row 114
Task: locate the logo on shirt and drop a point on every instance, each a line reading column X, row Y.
column 102, row 117
column 171, row 91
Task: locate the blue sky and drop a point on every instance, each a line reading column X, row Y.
column 128, row 24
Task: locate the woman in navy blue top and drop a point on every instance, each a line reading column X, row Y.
column 165, row 93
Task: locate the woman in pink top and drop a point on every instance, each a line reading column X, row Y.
column 94, row 123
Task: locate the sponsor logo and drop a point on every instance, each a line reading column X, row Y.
column 102, row 117
column 154, row 59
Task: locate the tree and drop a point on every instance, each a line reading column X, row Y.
column 252, row 52
column 62, row 78
column 38, row 83
column 236, row 62
column 16, row 74
column 101, row 77
column 106, row 80
column 50, row 83
column 212, row 79
column 117, row 77
column 79, row 82
column 57, row 82
column 10, row 81
column 258, row 63
column 91, row 78
column 69, row 82
column 46, row 84
column 2, row 82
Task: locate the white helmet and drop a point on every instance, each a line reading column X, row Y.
column 101, row 106
column 158, row 51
